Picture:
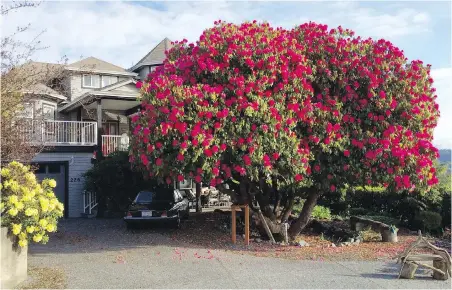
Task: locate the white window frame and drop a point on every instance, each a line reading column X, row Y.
column 91, row 77
column 105, row 77
column 48, row 105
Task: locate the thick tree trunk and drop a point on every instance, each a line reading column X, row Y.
column 305, row 215
column 198, row 197
column 287, row 209
column 264, row 223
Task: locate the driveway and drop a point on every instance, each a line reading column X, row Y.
column 103, row 254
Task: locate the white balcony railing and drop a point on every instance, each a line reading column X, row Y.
column 112, row 143
column 59, row 133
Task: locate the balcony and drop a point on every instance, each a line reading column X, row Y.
column 59, row 133
column 112, row 143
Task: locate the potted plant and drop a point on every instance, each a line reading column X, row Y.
column 29, row 211
column 390, row 234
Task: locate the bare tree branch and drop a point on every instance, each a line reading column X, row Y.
column 14, row 5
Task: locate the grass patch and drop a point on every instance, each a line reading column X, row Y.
column 44, row 278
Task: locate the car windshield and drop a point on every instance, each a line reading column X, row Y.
column 153, row 196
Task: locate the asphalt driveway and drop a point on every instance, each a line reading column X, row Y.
column 103, row 254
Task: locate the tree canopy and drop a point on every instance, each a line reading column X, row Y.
column 309, row 109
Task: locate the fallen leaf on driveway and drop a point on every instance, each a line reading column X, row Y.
column 120, row 260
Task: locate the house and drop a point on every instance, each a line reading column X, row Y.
column 82, row 109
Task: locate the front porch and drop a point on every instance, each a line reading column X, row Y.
column 109, row 109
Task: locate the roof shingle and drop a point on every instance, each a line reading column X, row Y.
column 155, row 56
column 95, row 64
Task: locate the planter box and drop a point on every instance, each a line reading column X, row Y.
column 388, row 236
column 13, row 268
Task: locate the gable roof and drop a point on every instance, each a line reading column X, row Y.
column 129, row 92
column 32, row 72
column 155, row 56
column 95, row 64
column 41, row 89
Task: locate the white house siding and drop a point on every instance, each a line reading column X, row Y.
column 79, row 163
column 120, row 79
column 37, row 110
column 144, row 71
column 76, row 87
column 129, row 89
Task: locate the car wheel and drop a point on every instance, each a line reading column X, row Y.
column 130, row 226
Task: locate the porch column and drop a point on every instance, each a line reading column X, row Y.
column 99, row 155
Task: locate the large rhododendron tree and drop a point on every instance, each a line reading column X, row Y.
column 384, row 113
column 277, row 113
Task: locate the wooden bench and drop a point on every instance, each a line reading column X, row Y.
column 410, row 261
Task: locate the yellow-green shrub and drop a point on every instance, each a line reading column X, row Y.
column 29, row 209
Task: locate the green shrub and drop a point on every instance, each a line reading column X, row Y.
column 115, row 183
column 445, row 210
column 29, row 209
column 335, row 201
column 369, row 235
column 359, row 211
column 321, row 212
column 374, row 200
column 427, row 221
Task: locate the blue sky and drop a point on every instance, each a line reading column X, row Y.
column 123, row 32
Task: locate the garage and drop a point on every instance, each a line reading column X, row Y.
column 57, row 171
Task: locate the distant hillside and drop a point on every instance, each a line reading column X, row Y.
column 445, row 155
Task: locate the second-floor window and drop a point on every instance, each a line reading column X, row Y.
column 109, row 80
column 91, row 81
column 48, row 112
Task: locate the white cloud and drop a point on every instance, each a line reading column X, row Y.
column 443, row 83
column 369, row 22
column 421, row 18
column 122, row 32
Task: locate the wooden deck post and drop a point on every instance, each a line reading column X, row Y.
column 233, row 225
column 247, row 225
column 198, row 197
column 234, row 209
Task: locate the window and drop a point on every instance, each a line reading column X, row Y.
column 40, row 168
column 27, row 111
column 110, row 128
column 109, row 80
column 156, row 196
column 91, row 81
column 54, row 168
column 48, row 112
